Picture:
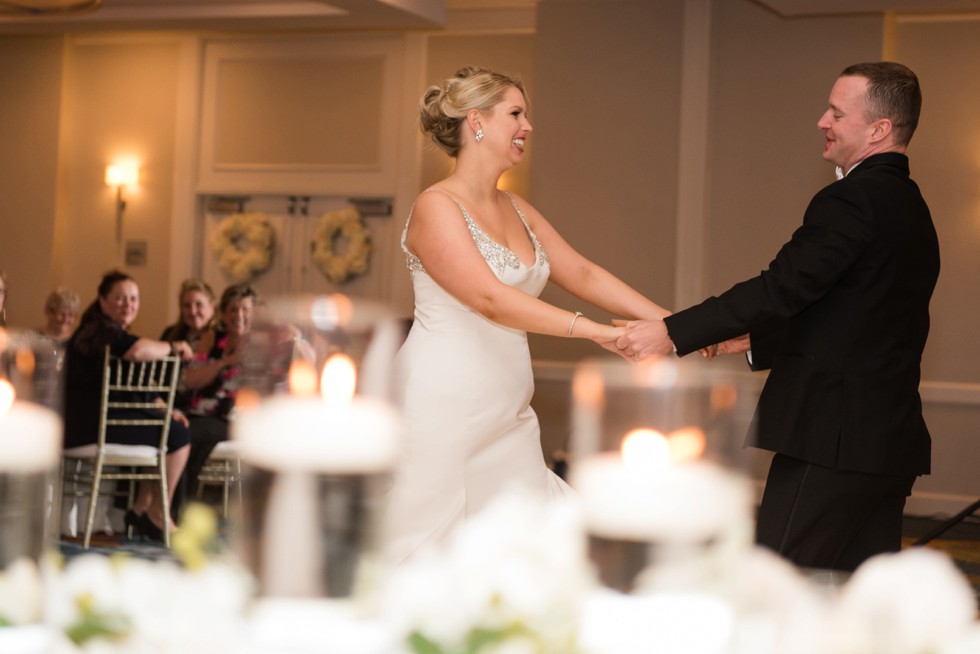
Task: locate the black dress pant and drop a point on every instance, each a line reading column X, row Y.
column 823, row 518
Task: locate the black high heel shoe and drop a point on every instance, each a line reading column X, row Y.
column 142, row 526
column 149, row 530
column 132, row 520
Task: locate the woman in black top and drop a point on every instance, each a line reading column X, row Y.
column 106, row 322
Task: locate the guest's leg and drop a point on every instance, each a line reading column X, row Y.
column 206, row 433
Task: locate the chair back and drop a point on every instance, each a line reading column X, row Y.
column 145, row 390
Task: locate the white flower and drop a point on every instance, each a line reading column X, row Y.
column 20, row 592
column 243, row 244
column 148, row 606
column 912, row 602
column 518, row 568
column 779, row 611
column 968, row 644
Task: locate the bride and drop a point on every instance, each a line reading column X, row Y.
column 479, row 257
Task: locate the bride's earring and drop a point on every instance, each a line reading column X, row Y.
column 479, row 135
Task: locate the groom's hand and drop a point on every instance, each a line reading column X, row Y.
column 644, row 338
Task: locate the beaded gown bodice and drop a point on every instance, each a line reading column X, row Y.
column 497, row 256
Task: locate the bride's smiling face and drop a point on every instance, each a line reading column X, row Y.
column 506, row 125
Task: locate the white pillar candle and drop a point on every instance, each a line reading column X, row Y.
column 310, row 434
column 680, row 502
column 30, row 437
column 299, row 438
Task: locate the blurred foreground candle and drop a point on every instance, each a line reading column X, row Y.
column 662, row 502
column 30, row 448
column 318, row 451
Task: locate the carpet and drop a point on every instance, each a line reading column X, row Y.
column 961, row 543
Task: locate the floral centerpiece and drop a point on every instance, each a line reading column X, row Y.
column 512, row 580
column 116, row 604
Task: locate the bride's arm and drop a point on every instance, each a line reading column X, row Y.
column 439, row 237
column 585, row 279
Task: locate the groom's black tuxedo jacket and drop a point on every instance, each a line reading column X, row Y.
column 840, row 318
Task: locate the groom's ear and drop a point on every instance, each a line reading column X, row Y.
column 881, row 129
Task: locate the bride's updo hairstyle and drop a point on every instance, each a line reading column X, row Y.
column 443, row 108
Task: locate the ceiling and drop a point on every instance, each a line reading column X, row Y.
column 225, row 14
column 352, row 14
column 790, row 8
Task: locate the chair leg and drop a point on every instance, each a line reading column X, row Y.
column 165, row 502
column 225, row 489
column 93, row 502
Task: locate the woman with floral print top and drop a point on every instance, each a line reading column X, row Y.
column 214, row 376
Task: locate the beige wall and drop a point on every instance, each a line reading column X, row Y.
column 607, row 80
column 30, row 91
column 119, row 102
column 605, row 146
column 945, row 160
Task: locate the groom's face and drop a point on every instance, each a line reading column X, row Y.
column 845, row 126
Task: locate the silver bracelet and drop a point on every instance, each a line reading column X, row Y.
column 572, row 324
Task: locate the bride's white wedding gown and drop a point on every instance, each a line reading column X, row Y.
column 469, row 429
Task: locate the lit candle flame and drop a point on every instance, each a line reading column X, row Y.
column 302, row 377
column 645, row 449
column 246, row 399
column 339, row 379
column 686, row 444
column 6, row 395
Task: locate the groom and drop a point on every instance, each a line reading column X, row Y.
column 840, row 319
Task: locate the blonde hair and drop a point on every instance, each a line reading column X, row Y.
column 63, row 298
column 443, row 108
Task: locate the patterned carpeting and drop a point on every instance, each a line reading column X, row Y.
column 961, row 542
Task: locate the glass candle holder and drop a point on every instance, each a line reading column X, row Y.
column 656, row 457
column 30, row 453
column 317, row 431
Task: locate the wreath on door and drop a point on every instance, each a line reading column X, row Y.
column 341, row 245
column 243, row 244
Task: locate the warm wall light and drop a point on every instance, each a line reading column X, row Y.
column 122, row 174
column 117, row 176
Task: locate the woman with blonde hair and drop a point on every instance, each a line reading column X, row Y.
column 196, row 302
column 60, row 313
column 479, row 257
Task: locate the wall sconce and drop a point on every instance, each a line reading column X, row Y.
column 117, row 176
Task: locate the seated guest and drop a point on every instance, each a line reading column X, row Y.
column 3, row 299
column 215, row 374
column 196, row 301
column 106, row 323
column 60, row 313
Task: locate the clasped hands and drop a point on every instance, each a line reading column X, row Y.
column 645, row 338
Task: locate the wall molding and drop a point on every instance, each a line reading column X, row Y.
column 933, row 392
column 311, row 60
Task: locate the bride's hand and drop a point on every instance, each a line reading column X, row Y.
column 606, row 336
